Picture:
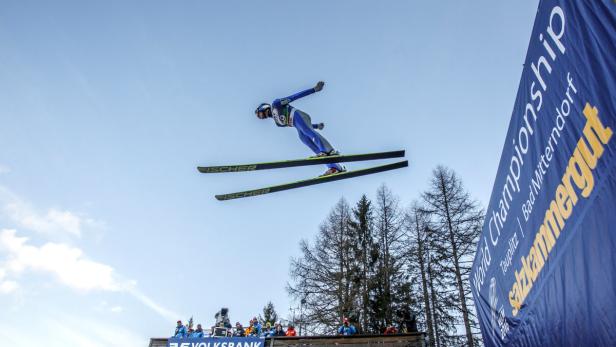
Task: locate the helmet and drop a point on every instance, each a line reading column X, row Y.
column 262, row 108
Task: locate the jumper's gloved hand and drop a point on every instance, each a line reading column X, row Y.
column 319, row 86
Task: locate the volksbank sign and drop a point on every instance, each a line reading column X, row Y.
column 545, row 269
column 217, row 342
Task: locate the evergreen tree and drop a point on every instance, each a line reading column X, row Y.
column 269, row 314
column 361, row 225
column 190, row 323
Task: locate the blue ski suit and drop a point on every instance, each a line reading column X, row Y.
column 256, row 329
column 197, row 334
column 180, row 332
column 347, row 330
column 286, row 115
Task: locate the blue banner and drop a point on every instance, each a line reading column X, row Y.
column 545, row 269
column 217, row 342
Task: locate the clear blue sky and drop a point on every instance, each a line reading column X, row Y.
column 107, row 231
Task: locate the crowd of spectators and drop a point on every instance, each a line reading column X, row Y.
column 254, row 329
column 257, row 329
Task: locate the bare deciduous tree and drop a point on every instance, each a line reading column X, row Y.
column 455, row 220
column 323, row 275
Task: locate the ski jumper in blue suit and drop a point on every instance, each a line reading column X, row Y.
column 286, row 115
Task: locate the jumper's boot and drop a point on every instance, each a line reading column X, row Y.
column 327, row 154
column 333, row 171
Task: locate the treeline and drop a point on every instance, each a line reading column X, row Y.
column 381, row 264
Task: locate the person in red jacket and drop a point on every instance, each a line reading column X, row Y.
column 391, row 330
column 291, row 331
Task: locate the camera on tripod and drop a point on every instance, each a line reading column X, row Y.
column 223, row 326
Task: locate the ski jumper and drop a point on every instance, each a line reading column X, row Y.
column 286, row 115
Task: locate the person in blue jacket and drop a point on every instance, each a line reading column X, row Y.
column 285, row 115
column 256, row 328
column 180, row 331
column 347, row 328
column 197, row 334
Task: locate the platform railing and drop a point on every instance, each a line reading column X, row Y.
column 397, row 340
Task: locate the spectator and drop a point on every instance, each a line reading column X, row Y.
column 347, row 328
column 198, row 334
column 268, row 331
column 180, row 331
column 239, row 330
column 278, row 331
column 256, row 328
column 409, row 323
column 391, row 330
column 248, row 331
column 291, row 330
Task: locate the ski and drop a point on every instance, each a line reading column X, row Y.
column 313, row 181
column 301, row 162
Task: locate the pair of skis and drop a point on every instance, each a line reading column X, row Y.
column 305, row 162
